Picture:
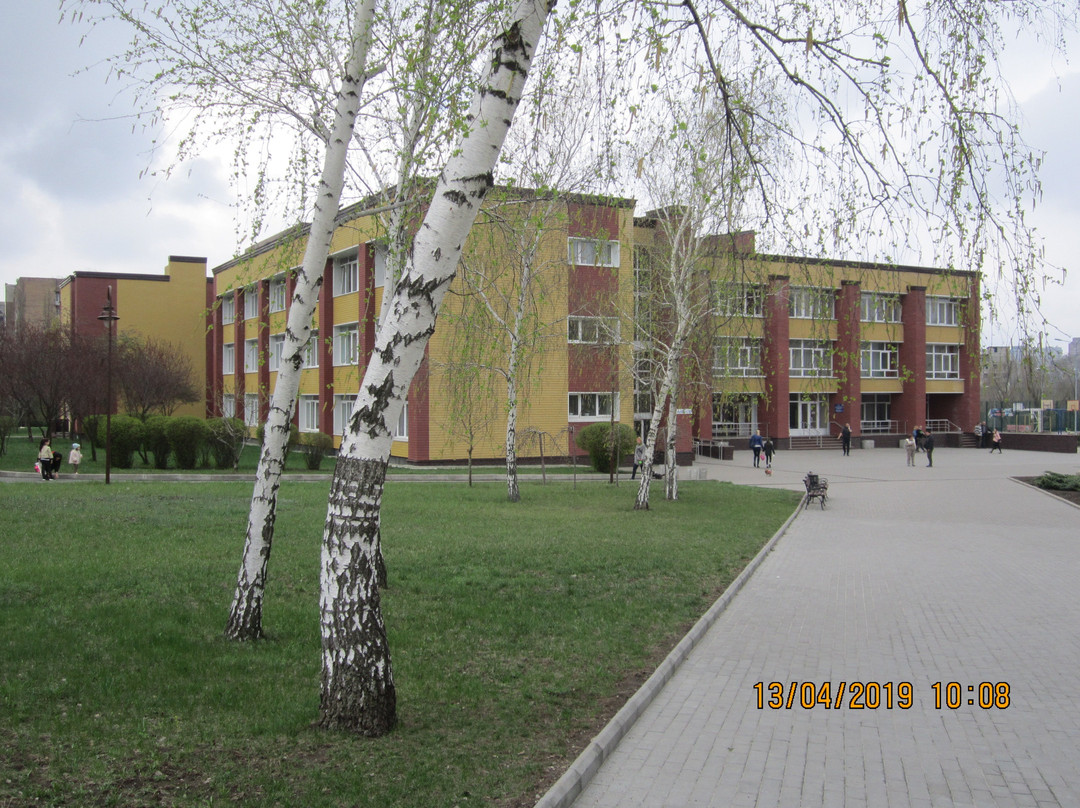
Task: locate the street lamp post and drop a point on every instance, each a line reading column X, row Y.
column 108, row 316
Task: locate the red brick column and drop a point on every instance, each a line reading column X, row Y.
column 263, row 335
column 909, row 408
column 773, row 412
column 240, row 387
column 846, row 362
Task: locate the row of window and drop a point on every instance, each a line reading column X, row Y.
column 308, row 413
column 815, row 303
column 813, row 358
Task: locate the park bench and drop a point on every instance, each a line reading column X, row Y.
column 816, row 488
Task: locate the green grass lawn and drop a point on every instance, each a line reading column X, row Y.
column 515, row 630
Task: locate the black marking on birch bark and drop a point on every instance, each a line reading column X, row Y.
column 456, row 198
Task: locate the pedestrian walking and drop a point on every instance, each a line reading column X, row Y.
column 928, row 447
column 639, row 458
column 909, row 448
column 769, row 449
column 996, row 441
column 845, row 439
column 757, row 443
column 45, row 459
column 75, row 457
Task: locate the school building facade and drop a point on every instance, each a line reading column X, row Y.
column 800, row 346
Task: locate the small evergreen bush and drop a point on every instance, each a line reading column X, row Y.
column 187, row 436
column 314, row 446
column 156, row 441
column 1058, row 482
column 126, row 436
column 596, row 440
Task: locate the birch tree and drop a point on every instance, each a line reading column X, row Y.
column 358, row 692
column 687, row 169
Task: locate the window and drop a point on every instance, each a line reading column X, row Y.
column 343, row 410
column 585, row 406
column 251, row 355
column 309, row 414
column 642, row 287
column 740, row 300
column 346, row 275
column 251, row 303
column 401, row 431
column 228, row 405
column 587, row 252
column 346, row 345
column 880, row 360
column 311, row 351
column 878, row 308
column 942, row 311
column 810, row 358
column 737, row 356
column 277, row 293
column 228, row 309
column 875, row 412
column 643, row 379
column 228, row 359
column 592, row 330
column 277, row 346
column 811, row 303
column 251, row 409
column 382, row 253
column 943, row 361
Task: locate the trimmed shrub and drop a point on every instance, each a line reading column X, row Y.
column 156, row 441
column 1054, row 481
column 226, row 441
column 314, row 446
column 187, row 435
column 596, row 440
column 126, row 436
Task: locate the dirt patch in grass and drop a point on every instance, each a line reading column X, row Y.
column 1068, row 496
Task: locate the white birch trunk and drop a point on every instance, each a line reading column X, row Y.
column 670, row 476
column 245, row 617
column 358, row 691
column 513, row 493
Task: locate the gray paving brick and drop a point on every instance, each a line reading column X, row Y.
column 957, row 575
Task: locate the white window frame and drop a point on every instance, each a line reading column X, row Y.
column 942, row 310
column 228, row 359
column 942, row 361
column 343, row 411
column 591, row 406
column 277, row 293
column 382, row 256
column 311, row 350
column 251, row 303
column 401, row 431
column 811, row 303
column 228, row 405
column 737, row 356
column 880, row 308
column 346, row 274
column 308, row 409
column 592, row 330
column 591, row 252
column 814, row 359
column 228, row 309
column 251, row 409
column 740, row 300
column 251, row 356
column 346, row 344
column 275, row 349
column 879, row 360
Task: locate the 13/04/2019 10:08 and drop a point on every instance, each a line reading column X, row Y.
column 871, row 695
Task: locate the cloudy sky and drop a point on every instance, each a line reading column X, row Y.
column 73, row 198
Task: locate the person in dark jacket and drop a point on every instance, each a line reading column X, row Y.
column 845, row 439
column 928, row 447
column 757, row 443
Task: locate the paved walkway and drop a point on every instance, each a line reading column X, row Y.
column 910, row 575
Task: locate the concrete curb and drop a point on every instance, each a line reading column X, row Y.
column 581, row 771
column 1045, row 493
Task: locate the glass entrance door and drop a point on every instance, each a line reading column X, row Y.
column 808, row 414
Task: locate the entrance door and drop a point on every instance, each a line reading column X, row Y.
column 808, row 414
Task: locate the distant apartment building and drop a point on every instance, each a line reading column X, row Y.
column 31, row 301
